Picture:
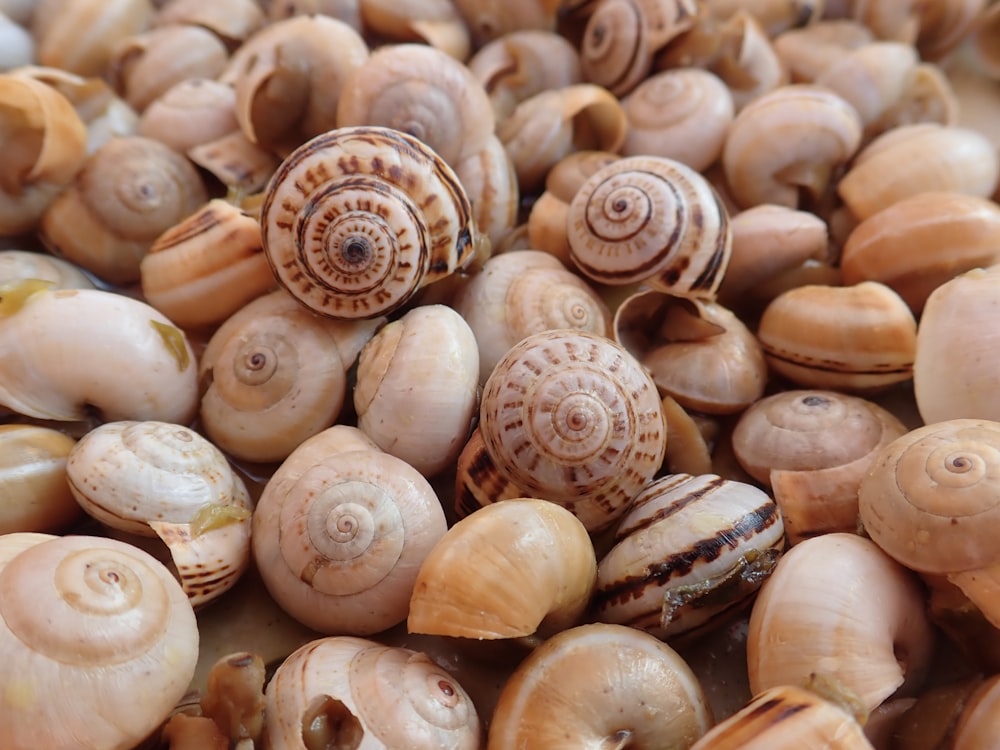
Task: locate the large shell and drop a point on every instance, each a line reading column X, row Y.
column 650, row 219
column 358, row 219
column 689, row 550
column 570, row 416
column 21, row 265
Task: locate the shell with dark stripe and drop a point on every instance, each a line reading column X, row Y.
column 689, row 549
column 652, row 219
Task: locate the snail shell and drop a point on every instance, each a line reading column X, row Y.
column 274, row 374
column 929, row 502
column 36, row 495
column 189, row 113
column 339, row 542
column 237, row 162
column 600, row 685
column 651, row 219
column 358, row 693
column 858, row 338
column 417, row 388
column 521, row 292
column 812, row 448
column 489, row 19
column 688, row 550
column 812, row 619
column 490, row 181
column 17, row 47
column 570, row 416
column 358, row 219
column 21, row 265
column 984, row 41
column 233, row 21
column 88, row 626
column 935, row 28
column 774, row 16
column 978, row 724
column 348, row 11
column 129, row 360
column 478, row 482
column 435, row 22
column 807, row 51
column 529, row 567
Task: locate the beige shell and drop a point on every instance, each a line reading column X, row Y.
column 789, row 141
column 489, row 19
column 417, row 387
column 341, row 689
column 20, row 265
column 490, row 181
column 571, row 417
column 348, row 11
column 623, row 36
column 549, row 126
column 508, row 570
column 953, row 371
column 683, row 114
column 774, row 16
column 423, row 92
column 127, row 193
column 935, row 27
column 978, row 725
column 33, row 480
column 357, row 220
column 434, row 22
column 812, row 449
column 689, row 550
column 600, row 685
column 689, row 449
column 919, row 158
column 806, row 51
column 233, row 21
column 273, row 374
column 478, row 482
column 985, row 36
column 44, row 146
column 920, row 242
column 129, row 360
column 651, row 219
column 190, row 113
column 237, row 162
column 855, row 338
column 207, row 267
column 521, row 292
column 339, row 541
column 811, row 620
column 279, row 71
column 89, row 625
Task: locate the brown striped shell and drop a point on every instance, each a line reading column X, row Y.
column 689, row 549
column 357, row 219
column 652, row 219
column 570, row 416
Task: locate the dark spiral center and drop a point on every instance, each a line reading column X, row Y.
column 356, row 251
column 257, row 361
column 619, row 205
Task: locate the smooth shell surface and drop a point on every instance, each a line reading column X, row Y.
column 36, row 495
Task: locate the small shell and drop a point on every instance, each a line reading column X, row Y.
column 935, row 28
column 20, row 265
column 813, row 620
column 233, row 21
column 521, row 292
column 489, row 19
column 774, row 16
column 601, row 686
column 238, row 163
column 919, row 158
column 339, row 542
column 920, row 242
column 36, row 495
column 190, row 113
column 490, row 181
column 435, row 22
column 508, row 570
column 650, row 219
column 689, row 550
column 478, row 482
column 127, row 193
column 856, row 338
column 359, row 693
column 788, row 141
column 358, row 219
column 570, row 416
column 207, row 267
column 806, row 52
column 417, row 387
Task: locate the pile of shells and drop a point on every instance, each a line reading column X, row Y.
column 453, row 374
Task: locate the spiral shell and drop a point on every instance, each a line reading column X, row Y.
column 88, row 626
column 571, row 417
column 339, row 542
column 650, row 219
column 356, row 220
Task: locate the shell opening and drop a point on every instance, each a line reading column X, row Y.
column 330, row 725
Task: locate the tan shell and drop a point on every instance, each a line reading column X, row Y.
column 189, row 113
column 21, row 265
column 127, row 193
column 342, row 686
column 935, row 27
column 233, row 21
column 978, row 724
column 651, row 219
column 570, row 416
column 489, row 19
column 788, row 141
column 985, row 38
column 855, row 338
column 490, row 181
column 478, row 482
column 807, row 51
column 273, row 375
column 919, row 158
column 774, row 16
column 207, row 267
column 920, row 242
column 348, row 11
column 236, row 162
column 600, row 685
column 434, row 22
column 812, row 621
column 417, row 387
column 812, row 449
column 689, row 449
column 339, row 542
column 689, row 550
column 529, row 567
column 521, row 292
column 388, row 214
column 33, row 480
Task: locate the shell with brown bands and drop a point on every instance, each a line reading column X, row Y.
column 356, row 220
